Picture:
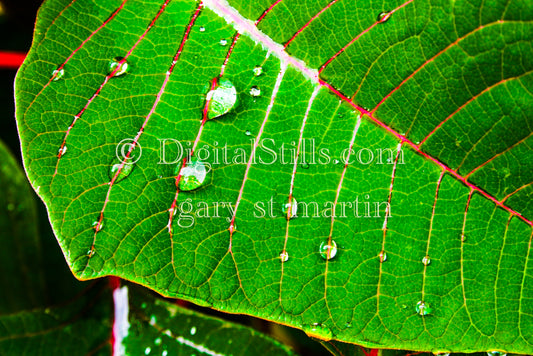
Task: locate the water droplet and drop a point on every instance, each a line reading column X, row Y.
column 348, row 325
column 91, row 252
column 58, row 74
column 328, row 250
column 423, row 308
column 221, row 99
column 124, row 172
column 193, row 330
column 192, row 175
column 463, row 237
column 318, row 331
column 248, row 133
column 153, row 320
column 164, row 353
column 255, row 91
column 119, row 66
column 305, row 165
column 147, row 351
column 382, row 256
column 384, row 17
column 223, row 42
column 143, row 305
column 258, row 70
column 232, row 228
column 202, row 29
column 157, row 341
column 290, row 209
column 98, row 225
column 496, row 353
column 61, row 152
column 426, row 260
column 284, row 256
column 336, row 161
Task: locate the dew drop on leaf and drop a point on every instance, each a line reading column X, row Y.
column 157, row 341
column 423, row 308
column 382, row 256
column 147, row 351
column 193, row 330
column 319, row 331
column 192, row 175
column 98, row 225
column 463, row 237
column 61, row 152
column 426, row 260
column 124, row 172
column 258, row 70
column 255, row 91
column 290, row 209
column 284, row 256
column 58, row 74
column 247, row 133
column 91, row 252
column 202, row 29
column 336, row 161
column 496, row 353
column 118, row 66
column 164, row 353
column 223, row 42
column 328, row 250
column 384, row 17
column 221, row 99
column 305, row 165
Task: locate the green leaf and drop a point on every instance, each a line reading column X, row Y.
column 439, row 161
column 161, row 327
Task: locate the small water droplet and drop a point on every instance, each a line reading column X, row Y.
column 193, row 330
column 223, row 42
column 340, row 115
column 426, row 260
column 192, row 175
column 167, row 332
column 255, row 91
column 202, row 29
column 147, row 351
column 61, row 152
column 328, row 250
column 58, row 74
column 143, row 305
column 305, row 165
column 319, row 331
column 232, row 228
column 124, row 172
column 157, row 341
column 164, row 353
column 496, row 353
column 290, row 209
column 284, row 256
column 384, row 17
column 91, row 252
column 221, row 99
column 423, row 308
column 382, row 256
column 258, row 70
column 119, row 66
column 98, row 225
column 348, row 325
column 463, row 237
column 248, row 133
column 153, row 320
column 336, row 161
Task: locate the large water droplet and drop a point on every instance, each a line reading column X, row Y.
column 328, row 250
column 221, row 99
column 58, row 74
column 119, row 66
column 426, row 260
column 223, row 42
column 192, row 175
column 193, row 330
column 290, row 209
column 423, row 308
column 255, row 91
column 258, row 70
column 384, row 17
column 318, row 331
column 61, row 152
column 124, row 172
column 284, row 256
column 382, row 256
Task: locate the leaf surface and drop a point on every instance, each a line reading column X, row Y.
column 430, row 110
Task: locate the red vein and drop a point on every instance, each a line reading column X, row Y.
column 516, row 191
column 294, row 168
column 252, row 155
column 109, row 76
column 11, row 59
column 431, row 60
column 384, row 228
column 308, row 23
column 463, row 238
column 430, row 230
column 229, row 53
column 62, row 66
column 498, row 155
column 359, row 35
column 464, row 105
column 147, row 119
column 266, row 12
